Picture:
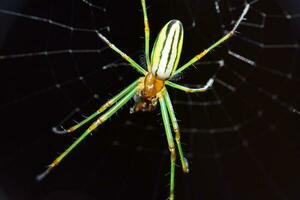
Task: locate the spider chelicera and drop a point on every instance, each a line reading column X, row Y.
column 150, row 89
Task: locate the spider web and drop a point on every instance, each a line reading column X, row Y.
column 241, row 137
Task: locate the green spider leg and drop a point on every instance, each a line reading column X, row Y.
column 124, row 55
column 147, row 39
column 167, row 111
column 147, row 34
column 191, row 90
column 184, row 162
column 219, row 42
column 95, row 124
column 165, row 117
column 106, row 105
column 121, row 53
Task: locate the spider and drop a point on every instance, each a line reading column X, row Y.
column 150, row 89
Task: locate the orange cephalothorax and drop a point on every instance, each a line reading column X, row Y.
column 146, row 100
column 152, row 86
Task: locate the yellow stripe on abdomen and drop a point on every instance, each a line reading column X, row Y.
column 166, row 50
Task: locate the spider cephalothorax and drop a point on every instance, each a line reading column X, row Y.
column 146, row 98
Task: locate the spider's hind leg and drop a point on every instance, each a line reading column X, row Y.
column 216, row 44
column 147, row 34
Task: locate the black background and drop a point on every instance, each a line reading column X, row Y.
column 127, row 158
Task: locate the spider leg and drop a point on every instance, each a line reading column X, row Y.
column 94, row 125
column 220, row 41
column 147, row 33
column 192, row 90
column 165, row 117
column 70, row 28
column 121, row 53
column 106, row 105
column 184, row 162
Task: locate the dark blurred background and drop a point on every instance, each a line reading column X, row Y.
column 241, row 138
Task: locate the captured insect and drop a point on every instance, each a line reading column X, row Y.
column 150, row 89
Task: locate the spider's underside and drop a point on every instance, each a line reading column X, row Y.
column 150, row 89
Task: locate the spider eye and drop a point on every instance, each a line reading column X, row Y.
column 167, row 50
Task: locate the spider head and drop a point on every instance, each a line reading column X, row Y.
column 142, row 104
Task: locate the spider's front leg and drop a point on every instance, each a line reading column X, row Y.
column 108, row 104
column 130, row 92
column 165, row 117
column 184, row 161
